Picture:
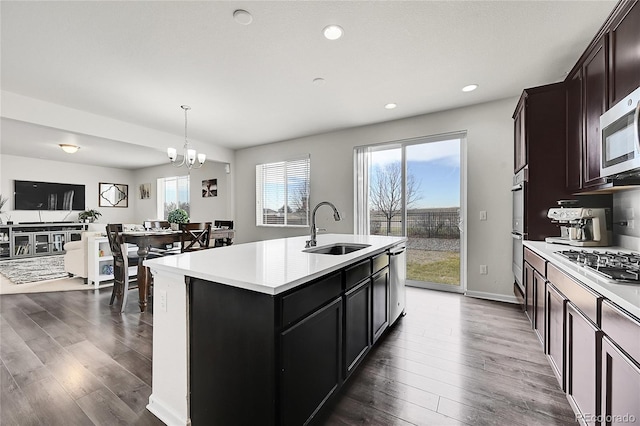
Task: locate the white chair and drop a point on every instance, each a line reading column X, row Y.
column 75, row 257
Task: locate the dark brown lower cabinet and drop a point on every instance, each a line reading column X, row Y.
column 555, row 305
column 620, row 386
column 311, row 364
column 583, row 343
column 539, row 284
column 380, row 303
column 357, row 312
column 529, row 290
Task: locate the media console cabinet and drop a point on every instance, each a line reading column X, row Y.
column 37, row 239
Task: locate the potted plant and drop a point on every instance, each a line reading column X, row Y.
column 89, row 216
column 176, row 217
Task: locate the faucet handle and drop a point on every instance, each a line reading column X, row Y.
column 309, row 244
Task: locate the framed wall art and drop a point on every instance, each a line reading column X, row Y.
column 210, row 188
column 113, row 195
column 144, row 190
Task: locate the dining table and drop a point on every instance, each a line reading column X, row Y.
column 147, row 239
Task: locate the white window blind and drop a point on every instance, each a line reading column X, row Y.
column 282, row 193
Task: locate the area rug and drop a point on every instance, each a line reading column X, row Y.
column 21, row 271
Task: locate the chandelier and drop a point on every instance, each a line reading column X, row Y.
column 190, row 155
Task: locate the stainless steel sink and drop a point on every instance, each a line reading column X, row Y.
column 337, row 249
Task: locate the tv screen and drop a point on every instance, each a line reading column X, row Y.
column 31, row 195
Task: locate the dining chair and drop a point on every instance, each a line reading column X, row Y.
column 195, row 236
column 223, row 224
column 121, row 263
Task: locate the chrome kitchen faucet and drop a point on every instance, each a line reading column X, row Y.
column 314, row 231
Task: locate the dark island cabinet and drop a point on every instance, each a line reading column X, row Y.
column 380, row 303
column 260, row 359
column 311, row 353
column 357, row 324
column 624, row 52
column 595, row 104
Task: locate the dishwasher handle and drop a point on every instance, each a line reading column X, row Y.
column 397, row 251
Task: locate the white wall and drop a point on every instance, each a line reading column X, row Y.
column 489, row 130
column 22, row 168
column 202, row 209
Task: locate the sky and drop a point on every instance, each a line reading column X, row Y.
column 436, row 165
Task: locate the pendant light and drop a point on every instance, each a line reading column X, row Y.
column 190, row 155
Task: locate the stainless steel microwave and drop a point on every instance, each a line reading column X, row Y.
column 620, row 149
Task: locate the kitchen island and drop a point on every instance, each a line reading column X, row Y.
column 264, row 332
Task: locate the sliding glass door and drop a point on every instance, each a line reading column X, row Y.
column 416, row 189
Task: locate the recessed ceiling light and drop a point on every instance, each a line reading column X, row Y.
column 242, row 17
column 333, row 32
column 68, row 148
column 470, row 88
column 319, row 81
column 390, row 106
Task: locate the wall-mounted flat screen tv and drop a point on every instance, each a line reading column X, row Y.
column 31, row 195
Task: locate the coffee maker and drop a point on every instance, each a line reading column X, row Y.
column 582, row 226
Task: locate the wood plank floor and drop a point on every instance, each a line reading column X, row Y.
column 67, row 358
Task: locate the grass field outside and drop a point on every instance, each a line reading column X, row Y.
column 433, row 266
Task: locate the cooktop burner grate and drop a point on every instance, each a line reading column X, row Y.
column 616, row 266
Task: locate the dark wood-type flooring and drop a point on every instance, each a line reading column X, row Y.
column 67, row 358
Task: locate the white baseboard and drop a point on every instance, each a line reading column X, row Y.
column 492, row 296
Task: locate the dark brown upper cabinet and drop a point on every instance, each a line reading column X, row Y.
column 574, row 131
column 519, row 136
column 607, row 71
column 624, row 51
column 594, row 73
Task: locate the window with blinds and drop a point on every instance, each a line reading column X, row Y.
column 282, row 193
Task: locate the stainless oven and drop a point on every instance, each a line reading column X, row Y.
column 518, row 234
column 620, row 148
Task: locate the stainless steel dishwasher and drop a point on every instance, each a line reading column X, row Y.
column 397, row 278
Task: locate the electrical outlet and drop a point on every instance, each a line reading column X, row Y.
column 162, row 300
column 483, row 215
column 483, row 270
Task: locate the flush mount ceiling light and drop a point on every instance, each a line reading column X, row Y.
column 242, row 17
column 333, row 32
column 470, row 88
column 68, row 148
column 189, row 156
column 390, row 106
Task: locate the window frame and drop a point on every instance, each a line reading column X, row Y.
column 286, row 166
column 161, row 199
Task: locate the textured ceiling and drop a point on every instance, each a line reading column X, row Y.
column 137, row 62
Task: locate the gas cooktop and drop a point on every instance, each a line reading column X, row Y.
column 615, row 266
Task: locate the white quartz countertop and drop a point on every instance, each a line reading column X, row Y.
column 625, row 295
column 271, row 266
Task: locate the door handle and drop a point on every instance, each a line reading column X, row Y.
column 518, row 187
column 516, row 236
